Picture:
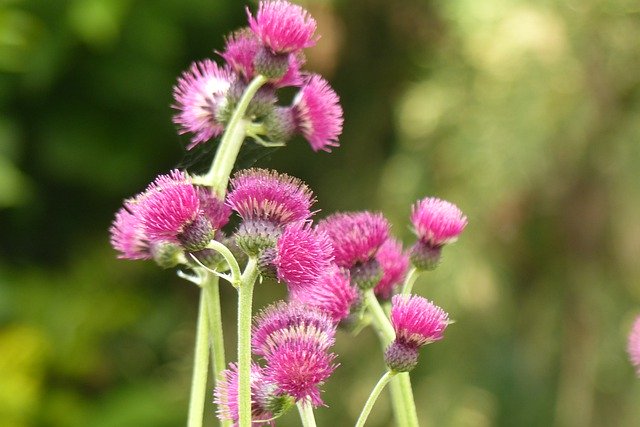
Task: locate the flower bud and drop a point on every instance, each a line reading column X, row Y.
column 424, row 256
column 366, row 275
column 254, row 236
column 280, row 124
column 401, row 357
column 197, row 234
column 271, row 65
column 266, row 264
column 167, row 254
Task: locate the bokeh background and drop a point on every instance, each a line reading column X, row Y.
column 524, row 113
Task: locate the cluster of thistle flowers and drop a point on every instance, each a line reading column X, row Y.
column 328, row 267
column 207, row 94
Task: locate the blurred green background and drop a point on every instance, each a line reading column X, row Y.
column 524, row 113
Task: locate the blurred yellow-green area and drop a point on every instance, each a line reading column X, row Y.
column 525, row 113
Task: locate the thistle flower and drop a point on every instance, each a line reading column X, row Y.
column 394, row 263
column 633, row 345
column 127, row 233
column 416, row 322
column 241, row 49
column 282, row 316
column 302, row 255
column 198, row 95
column 318, row 114
column 299, row 368
column 437, row 222
column 283, row 27
column 331, row 293
column 265, row 404
column 214, row 209
column 355, row 236
column 260, row 194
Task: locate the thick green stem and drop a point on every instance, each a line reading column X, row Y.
column 397, row 402
column 411, row 416
column 410, row 280
column 379, row 318
column 245, row 300
column 373, row 397
column 200, row 366
column 306, row 414
column 218, row 175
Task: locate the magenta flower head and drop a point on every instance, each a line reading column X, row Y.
column 170, row 211
column 318, row 114
column 299, row 368
column 633, row 345
column 200, row 92
column 331, row 293
column 356, row 237
column 127, row 233
column 266, row 201
column 241, row 49
column 417, row 322
column 302, row 255
column 436, row 222
column 283, row 27
column 281, row 316
column 266, row 403
column 394, row 263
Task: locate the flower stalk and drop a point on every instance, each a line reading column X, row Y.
column 306, row 414
column 375, row 393
column 200, row 366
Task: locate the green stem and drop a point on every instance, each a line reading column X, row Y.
column 231, row 260
column 218, row 175
column 411, row 416
column 245, row 300
column 410, row 280
column 200, row 366
column 397, row 402
column 306, row 414
column 379, row 318
column 373, row 397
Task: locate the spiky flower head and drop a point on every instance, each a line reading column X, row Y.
column 302, row 255
column 170, row 211
column 283, row 27
column 241, row 49
column 260, row 194
column 437, row 222
column 331, row 293
column 299, row 368
column 394, row 263
column 199, row 93
column 282, row 316
column 214, row 209
column 633, row 345
column 127, row 233
column 355, row 236
column 265, row 403
column 416, row 320
column 318, row 114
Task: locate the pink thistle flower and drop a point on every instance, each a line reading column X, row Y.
column 226, row 395
column 260, row 194
column 302, row 255
column 633, row 345
column 198, row 95
column 318, row 114
column 356, row 236
column 283, row 316
column 394, row 263
column 283, row 27
column 437, row 222
column 331, row 293
column 299, row 368
column 215, row 210
column 240, row 51
column 416, row 320
column 169, row 205
column 127, row 233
